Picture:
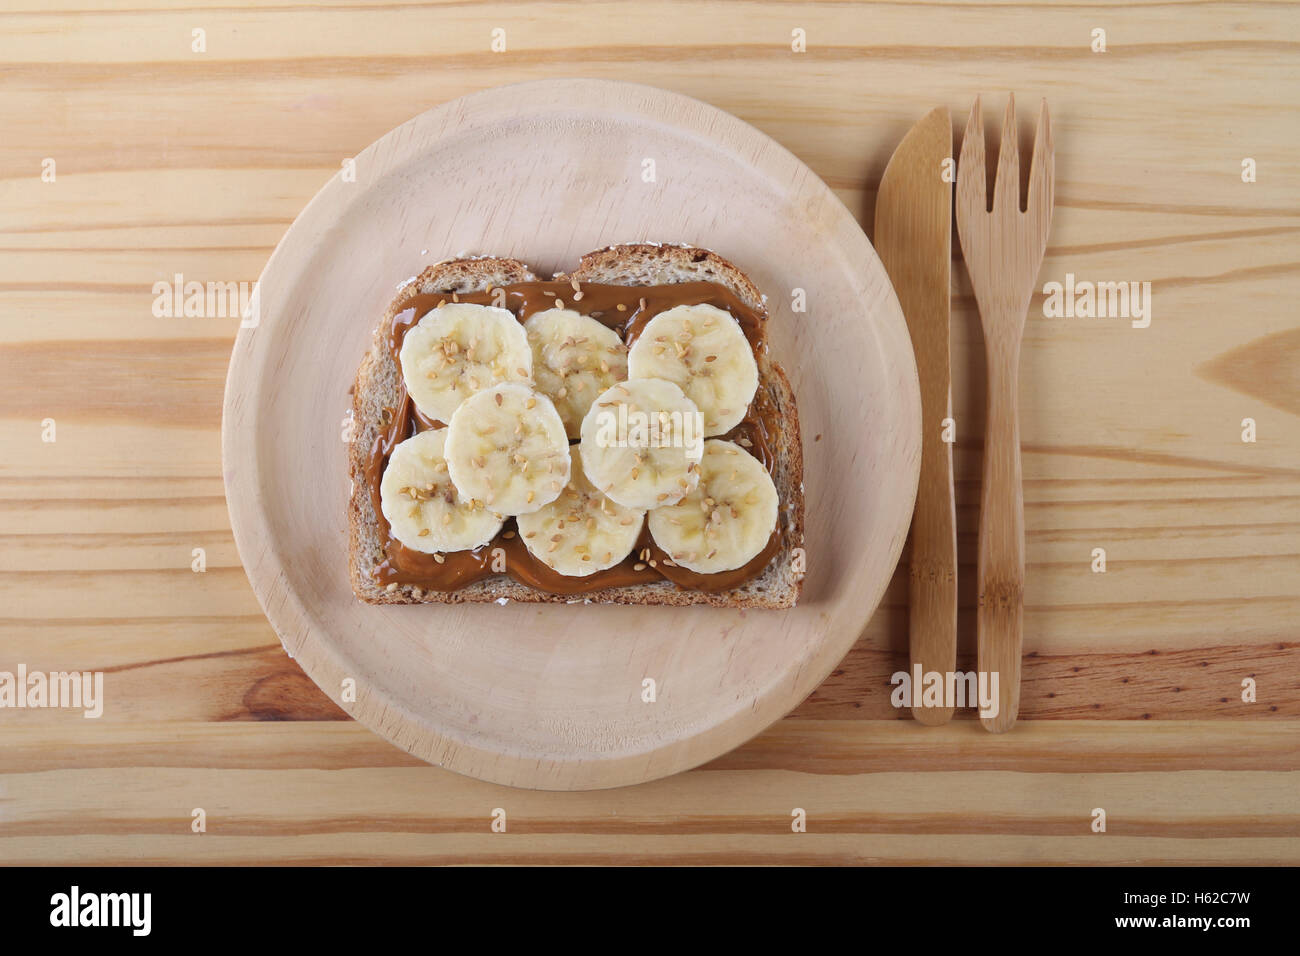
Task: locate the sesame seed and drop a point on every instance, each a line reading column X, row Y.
column 638, row 567
column 439, row 558
column 423, row 532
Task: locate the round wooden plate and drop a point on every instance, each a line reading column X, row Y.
column 551, row 696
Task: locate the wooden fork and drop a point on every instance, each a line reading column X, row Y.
column 1003, row 250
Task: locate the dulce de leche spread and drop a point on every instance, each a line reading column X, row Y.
column 626, row 310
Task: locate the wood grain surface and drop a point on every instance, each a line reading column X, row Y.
column 170, row 161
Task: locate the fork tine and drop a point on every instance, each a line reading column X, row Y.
column 1006, row 188
column 971, row 176
column 1042, row 168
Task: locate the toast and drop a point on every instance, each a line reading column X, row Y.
column 379, row 387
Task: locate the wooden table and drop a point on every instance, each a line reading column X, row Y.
column 170, row 161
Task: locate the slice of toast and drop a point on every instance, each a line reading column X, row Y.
column 379, row 386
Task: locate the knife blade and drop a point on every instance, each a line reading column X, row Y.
column 913, row 238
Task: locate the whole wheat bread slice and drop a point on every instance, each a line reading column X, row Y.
column 379, row 383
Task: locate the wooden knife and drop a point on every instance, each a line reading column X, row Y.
column 914, row 240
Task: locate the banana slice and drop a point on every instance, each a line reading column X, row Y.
column 575, row 358
column 506, row 447
column 702, row 350
column 458, row 349
column 727, row 520
column 641, row 443
column 423, row 509
column 582, row 531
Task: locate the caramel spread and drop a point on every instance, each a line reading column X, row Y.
column 626, row 310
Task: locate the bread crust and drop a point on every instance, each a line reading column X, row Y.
column 378, row 380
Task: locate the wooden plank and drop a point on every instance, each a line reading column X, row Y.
column 171, row 161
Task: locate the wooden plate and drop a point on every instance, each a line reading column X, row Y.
column 550, row 696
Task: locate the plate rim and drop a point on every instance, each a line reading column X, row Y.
column 319, row 660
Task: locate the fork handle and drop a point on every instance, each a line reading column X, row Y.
column 1001, row 569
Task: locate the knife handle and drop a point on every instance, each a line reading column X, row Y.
column 1002, row 541
column 932, row 592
